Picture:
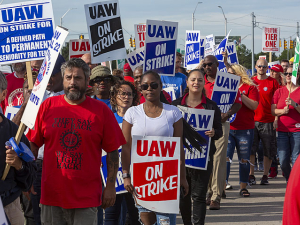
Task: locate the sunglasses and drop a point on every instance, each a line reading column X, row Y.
column 261, row 66
column 153, row 85
column 98, row 80
column 124, row 94
column 290, row 74
column 207, row 64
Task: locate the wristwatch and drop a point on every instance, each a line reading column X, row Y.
column 125, row 175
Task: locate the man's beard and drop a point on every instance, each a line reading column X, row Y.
column 19, row 67
column 74, row 96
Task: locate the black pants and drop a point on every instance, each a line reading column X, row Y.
column 198, row 182
column 35, row 199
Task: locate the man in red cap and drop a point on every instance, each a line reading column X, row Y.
column 276, row 73
column 128, row 74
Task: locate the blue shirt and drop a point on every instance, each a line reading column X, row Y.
column 106, row 101
column 174, row 85
column 118, row 118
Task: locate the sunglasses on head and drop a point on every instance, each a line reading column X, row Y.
column 207, row 64
column 153, row 85
column 290, row 74
column 104, row 79
column 262, row 66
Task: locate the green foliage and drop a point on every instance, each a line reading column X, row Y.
column 244, row 56
column 65, row 51
column 287, row 54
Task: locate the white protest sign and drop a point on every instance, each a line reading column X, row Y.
column 121, row 63
column 225, row 90
column 160, row 47
column 201, row 120
column 270, row 39
column 26, row 29
column 11, row 111
column 78, row 47
column 105, row 31
column 136, row 58
column 3, row 220
column 209, row 45
column 232, row 54
column 44, row 75
column 263, row 57
column 155, row 166
column 192, row 49
column 140, row 35
column 270, row 65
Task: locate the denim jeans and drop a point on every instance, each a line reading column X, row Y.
column 242, row 141
column 288, row 144
column 160, row 217
column 198, row 183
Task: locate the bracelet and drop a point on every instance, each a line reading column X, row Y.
column 125, row 175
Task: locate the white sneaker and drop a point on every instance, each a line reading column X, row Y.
column 228, row 186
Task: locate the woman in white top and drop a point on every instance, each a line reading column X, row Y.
column 152, row 118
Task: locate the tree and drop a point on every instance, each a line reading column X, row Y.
column 284, row 54
column 274, row 57
column 65, row 51
column 244, row 56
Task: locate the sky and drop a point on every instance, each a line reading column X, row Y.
column 209, row 18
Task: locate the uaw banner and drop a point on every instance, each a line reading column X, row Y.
column 296, row 62
column 155, row 166
column 136, row 58
column 218, row 53
column 78, row 47
column 192, row 49
column 11, row 111
column 225, row 90
column 201, row 120
column 26, row 29
column 232, row 54
column 119, row 181
column 43, row 77
column 209, row 44
column 160, row 47
column 270, row 39
column 140, row 35
column 105, row 31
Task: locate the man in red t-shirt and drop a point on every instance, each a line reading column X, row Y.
column 218, row 180
column 15, row 82
column 264, row 119
column 75, row 128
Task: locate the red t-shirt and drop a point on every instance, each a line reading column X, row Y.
column 209, row 87
column 266, row 88
column 14, row 95
column 74, row 136
column 244, row 118
column 291, row 208
column 203, row 101
column 289, row 122
column 167, row 96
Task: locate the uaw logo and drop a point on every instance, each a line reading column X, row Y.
column 40, row 76
column 16, row 97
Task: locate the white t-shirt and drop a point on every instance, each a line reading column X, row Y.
column 147, row 126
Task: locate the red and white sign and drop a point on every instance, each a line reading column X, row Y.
column 270, row 39
column 263, row 57
column 140, row 34
column 79, row 47
column 155, row 166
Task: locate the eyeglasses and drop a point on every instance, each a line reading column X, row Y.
column 153, row 85
column 207, row 64
column 262, row 66
column 124, row 94
column 290, row 74
column 98, row 80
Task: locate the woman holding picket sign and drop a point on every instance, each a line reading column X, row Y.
column 286, row 107
column 153, row 118
column 194, row 97
column 123, row 96
column 242, row 125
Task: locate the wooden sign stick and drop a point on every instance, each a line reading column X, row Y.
column 22, row 126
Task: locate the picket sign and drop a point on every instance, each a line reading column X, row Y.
column 209, row 45
column 160, row 47
column 3, row 220
column 11, row 111
column 192, row 49
column 270, row 39
column 232, row 54
column 218, row 53
column 140, row 35
column 120, row 64
column 136, row 58
column 225, row 90
column 105, row 31
column 155, row 166
column 201, row 120
column 78, row 47
column 26, row 29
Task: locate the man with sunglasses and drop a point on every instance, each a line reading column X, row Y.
column 264, row 120
column 102, row 80
column 218, row 179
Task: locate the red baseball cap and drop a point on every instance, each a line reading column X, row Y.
column 126, row 67
column 277, row 68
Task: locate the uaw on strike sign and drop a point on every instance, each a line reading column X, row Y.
column 26, row 30
column 270, row 39
column 155, row 166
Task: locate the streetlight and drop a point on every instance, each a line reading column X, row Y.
column 225, row 20
column 65, row 15
column 193, row 15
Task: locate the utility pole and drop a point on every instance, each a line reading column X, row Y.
column 252, row 55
